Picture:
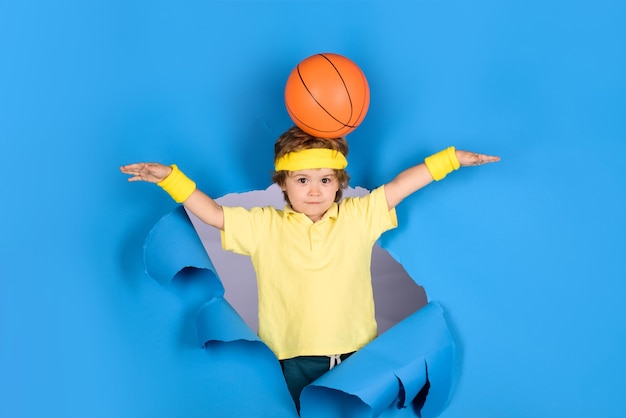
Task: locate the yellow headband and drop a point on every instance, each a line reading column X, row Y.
column 311, row 158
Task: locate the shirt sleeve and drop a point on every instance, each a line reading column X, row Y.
column 373, row 210
column 241, row 229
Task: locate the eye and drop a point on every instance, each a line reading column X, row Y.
column 301, row 180
column 327, row 180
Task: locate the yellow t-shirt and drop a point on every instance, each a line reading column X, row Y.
column 314, row 280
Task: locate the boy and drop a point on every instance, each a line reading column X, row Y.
column 312, row 259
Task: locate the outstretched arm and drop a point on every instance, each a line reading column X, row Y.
column 192, row 198
column 416, row 177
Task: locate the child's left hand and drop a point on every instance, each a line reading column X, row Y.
column 467, row 158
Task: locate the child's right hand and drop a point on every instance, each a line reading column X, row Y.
column 150, row 172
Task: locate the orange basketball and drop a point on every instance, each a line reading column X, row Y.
column 327, row 95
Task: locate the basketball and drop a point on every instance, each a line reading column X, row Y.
column 327, row 95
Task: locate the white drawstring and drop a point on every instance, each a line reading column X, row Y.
column 335, row 359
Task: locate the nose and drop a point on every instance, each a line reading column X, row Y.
column 314, row 190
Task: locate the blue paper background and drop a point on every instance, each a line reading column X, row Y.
column 526, row 256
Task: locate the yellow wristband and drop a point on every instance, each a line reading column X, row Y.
column 442, row 163
column 178, row 185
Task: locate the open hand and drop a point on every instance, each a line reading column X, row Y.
column 467, row 158
column 150, row 172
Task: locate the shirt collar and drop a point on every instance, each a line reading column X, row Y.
column 331, row 213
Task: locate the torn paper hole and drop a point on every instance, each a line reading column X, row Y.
column 367, row 381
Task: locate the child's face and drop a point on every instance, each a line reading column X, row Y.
column 311, row 191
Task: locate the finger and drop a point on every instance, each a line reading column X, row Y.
column 135, row 178
column 130, row 168
column 484, row 159
column 490, row 158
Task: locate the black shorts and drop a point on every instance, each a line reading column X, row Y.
column 303, row 370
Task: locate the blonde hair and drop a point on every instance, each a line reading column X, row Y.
column 295, row 139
